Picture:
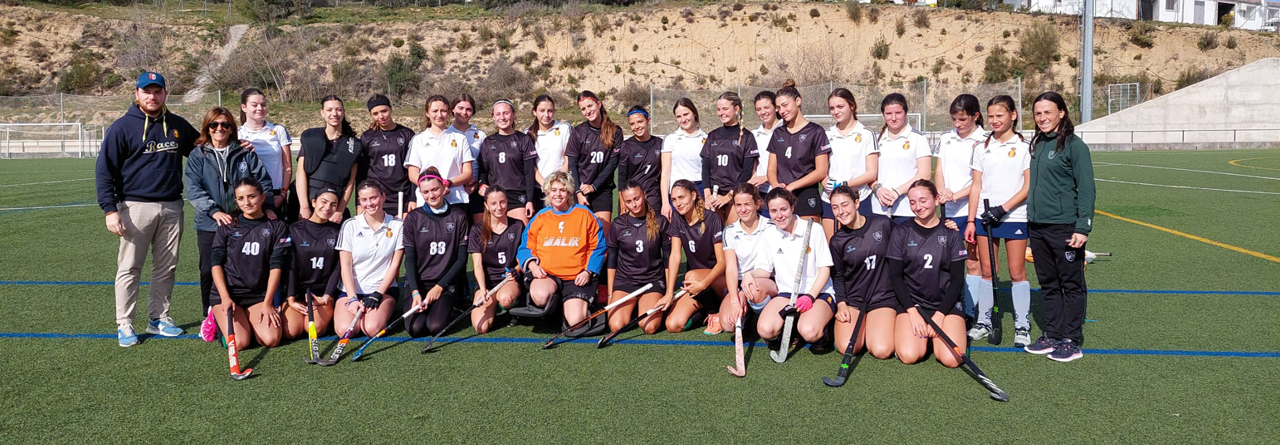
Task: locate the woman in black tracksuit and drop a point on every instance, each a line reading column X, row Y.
column 593, row 157
column 249, row 257
column 926, row 269
column 435, row 255
column 1060, row 215
column 312, row 268
column 728, row 157
column 386, row 145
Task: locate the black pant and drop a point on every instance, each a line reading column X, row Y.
column 205, row 241
column 1060, row 270
column 431, row 321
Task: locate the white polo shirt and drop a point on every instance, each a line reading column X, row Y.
column 268, row 143
column 686, row 154
column 780, row 254
column 955, row 156
column 762, row 142
column 745, row 245
column 1002, row 165
column 898, row 164
column 550, row 145
column 446, row 153
column 849, row 156
column 474, row 137
column 371, row 250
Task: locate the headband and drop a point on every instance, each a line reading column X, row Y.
column 504, row 101
column 640, row 112
column 426, row 176
column 379, row 100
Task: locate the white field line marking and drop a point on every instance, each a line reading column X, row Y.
column 45, row 182
column 1186, row 187
column 1109, row 164
column 64, row 206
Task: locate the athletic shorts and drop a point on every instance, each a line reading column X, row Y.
column 709, row 300
column 568, row 290
column 884, row 301
column 1004, row 230
column 827, row 211
column 475, row 203
column 864, row 207
column 808, row 202
column 600, row 200
column 958, row 309
column 660, row 287
column 245, row 299
column 823, row 298
column 960, row 221
column 759, row 307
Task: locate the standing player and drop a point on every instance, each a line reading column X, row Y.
column 249, row 257
column 782, row 249
column 212, row 172
column 926, row 268
column 446, row 151
column 312, row 269
column 728, row 157
column 954, row 177
column 462, row 108
column 767, row 111
column 855, row 157
column 551, row 137
column 563, row 251
column 493, row 244
column 682, row 152
column 1001, row 174
column 593, row 157
column 700, row 235
column 748, row 287
column 435, row 255
column 858, row 251
column 905, row 158
column 328, row 159
column 798, row 154
column 509, row 159
column 639, row 253
column 369, row 250
column 1060, row 213
column 271, row 143
column 640, row 159
column 386, row 145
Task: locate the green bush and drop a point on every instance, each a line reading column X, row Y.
column 400, row 75
column 79, row 78
column 880, row 50
column 1207, row 41
column 1192, row 75
column 1038, row 46
column 1231, row 42
column 854, row 9
column 900, row 27
column 921, row 18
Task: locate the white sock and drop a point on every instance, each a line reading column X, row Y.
column 985, row 301
column 970, row 290
column 1022, row 304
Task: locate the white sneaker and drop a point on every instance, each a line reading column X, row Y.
column 979, row 331
column 1021, row 337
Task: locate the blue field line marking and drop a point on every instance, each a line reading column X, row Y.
column 1092, row 291
column 653, row 342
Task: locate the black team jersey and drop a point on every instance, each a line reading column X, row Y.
column 383, row 162
column 508, row 161
column 642, row 162
column 435, row 246
column 637, row 258
column 728, row 158
column 699, row 243
column 796, row 152
column 248, row 250
column 590, row 161
column 499, row 253
column 859, row 265
column 927, row 255
column 314, row 259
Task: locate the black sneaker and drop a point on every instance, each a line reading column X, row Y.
column 1042, row 346
column 1066, row 351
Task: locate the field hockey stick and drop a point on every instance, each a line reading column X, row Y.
column 739, row 357
column 843, row 374
column 311, row 330
column 598, row 313
column 996, row 393
column 636, row 321
column 342, row 342
column 465, row 313
column 232, row 357
column 997, row 333
column 411, row 311
column 399, row 203
column 784, row 347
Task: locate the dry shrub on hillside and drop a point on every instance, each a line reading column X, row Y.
column 1038, row 46
column 505, row 81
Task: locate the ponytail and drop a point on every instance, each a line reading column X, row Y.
column 1007, row 102
column 608, row 129
column 891, row 99
column 346, row 125
column 1065, row 128
column 486, row 228
column 244, row 99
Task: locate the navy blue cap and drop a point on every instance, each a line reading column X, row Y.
column 149, row 78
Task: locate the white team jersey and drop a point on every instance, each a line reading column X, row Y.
column 446, row 153
column 551, row 145
column 780, row 254
column 268, row 143
column 849, row 156
column 746, row 245
column 474, row 138
column 955, row 155
column 1002, row 165
column 762, row 143
column 371, row 250
column 898, row 165
column 686, row 154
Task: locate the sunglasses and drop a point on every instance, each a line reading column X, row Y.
column 216, row 125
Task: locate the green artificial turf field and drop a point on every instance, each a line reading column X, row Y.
column 1181, row 347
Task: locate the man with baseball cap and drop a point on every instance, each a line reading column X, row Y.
column 139, row 181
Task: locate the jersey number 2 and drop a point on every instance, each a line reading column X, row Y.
column 928, row 261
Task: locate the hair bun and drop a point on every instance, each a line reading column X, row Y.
column 790, row 83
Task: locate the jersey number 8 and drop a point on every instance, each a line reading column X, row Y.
column 251, row 248
column 502, row 157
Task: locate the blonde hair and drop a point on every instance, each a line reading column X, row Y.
column 560, row 176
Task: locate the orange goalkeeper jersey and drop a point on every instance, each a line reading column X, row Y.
column 565, row 243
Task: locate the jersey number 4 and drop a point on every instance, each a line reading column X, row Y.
column 252, row 248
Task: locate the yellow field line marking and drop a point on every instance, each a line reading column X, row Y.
column 1193, row 237
column 1237, row 163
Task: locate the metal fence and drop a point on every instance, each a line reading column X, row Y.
column 94, row 110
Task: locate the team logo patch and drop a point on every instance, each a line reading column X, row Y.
column 266, row 232
column 273, row 132
column 449, row 227
column 151, row 76
column 857, row 138
column 878, row 236
column 942, row 240
column 511, row 237
column 813, row 202
column 1071, row 256
column 1052, row 154
column 400, row 141
column 557, row 132
column 475, row 134
column 330, row 242
column 389, row 234
column 513, row 144
column 906, row 145
column 704, row 140
column 175, row 133
column 454, row 144
column 1013, row 151
column 243, row 166
column 802, row 137
column 236, row 234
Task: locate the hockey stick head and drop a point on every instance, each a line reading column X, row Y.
column 834, row 382
column 243, row 374
column 736, row 372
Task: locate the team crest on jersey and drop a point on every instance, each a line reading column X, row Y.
column 389, row 234
column 813, row 202
column 454, row 144
column 557, row 132
column 1013, row 151
column 857, row 138
column 273, row 132
column 1052, row 154
column 400, row 141
column 511, row 237
column 802, row 137
column 330, row 242
column 243, row 167
column 906, row 145
column 1071, row 256
column 475, row 134
column 175, row 133
column 448, row 227
column 266, row 232
column 942, row 240
column 878, row 236
column 513, row 144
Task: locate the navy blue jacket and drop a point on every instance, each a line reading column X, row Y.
column 141, row 158
column 210, row 188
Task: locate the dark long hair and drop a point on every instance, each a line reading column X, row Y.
column 773, row 100
column 486, row 229
column 246, row 181
column 1007, row 102
column 244, row 99
column 650, row 218
column 346, row 125
column 1065, row 128
column 967, row 104
column 891, row 99
column 533, row 128
column 608, row 129
column 687, row 103
column 847, row 95
column 699, row 207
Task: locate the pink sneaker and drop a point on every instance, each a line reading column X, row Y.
column 209, row 328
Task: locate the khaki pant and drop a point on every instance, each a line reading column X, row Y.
column 147, row 225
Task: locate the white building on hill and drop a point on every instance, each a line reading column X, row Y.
column 1245, row 14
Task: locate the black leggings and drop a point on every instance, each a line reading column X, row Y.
column 205, row 241
column 431, row 321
